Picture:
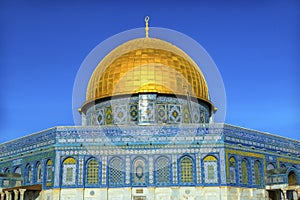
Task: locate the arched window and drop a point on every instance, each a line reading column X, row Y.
column 116, row 172
column 210, row 169
column 38, row 172
column 93, row 172
column 270, row 166
column 28, row 173
column 49, row 173
column 139, row 172
column 69, row 171
column 6, row 170
column 232, row 170
column 257, row 175
column 18, row 170
column 162, row 170
column 186, row 166
column 245, row 178
column 292, row 179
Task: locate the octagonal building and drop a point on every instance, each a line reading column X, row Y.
column 148, row 133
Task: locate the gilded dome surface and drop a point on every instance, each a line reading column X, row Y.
column 146, row 65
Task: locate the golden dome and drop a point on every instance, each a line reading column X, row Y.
column 146, row 65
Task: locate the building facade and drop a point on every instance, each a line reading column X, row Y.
column 148, row 133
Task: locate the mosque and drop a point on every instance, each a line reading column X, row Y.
column 148, row 133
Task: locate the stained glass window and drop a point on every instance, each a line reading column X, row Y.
column 28, row 173
column 69, row 174
column 162, row 170
column 232, row 170
column 69, row 171
column 93, row 172
column 245, row 179
column 211, row 174
column 49, row 171
column 18, row 170
column 210, row 169
column 116, row 172
column 270, row 166
column 39, row 172
column 186, row 170
column 257, row 172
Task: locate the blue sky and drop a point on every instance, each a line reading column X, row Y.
column 255, row 44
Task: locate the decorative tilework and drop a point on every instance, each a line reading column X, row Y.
column 210, row 170
column 232, row 170
column 104, row 161
column 49, row 173
column 80, row 171
column 270, row 166
column 198, row 168
column 257, row 175
column 196, row 114
column 202, row 116
column 161, row 113
column 244, row 172
column 116, row 172
column 133, row 111
column 174, row 167
column 151, row 169
column 162, row 170
column 222, row 166
column 94, row 120
column 92, row 171
column 174, row 113
column 69, row 171
column 109, row 115
column 186, row 169
column 139, row 171
column 120, row 114
column 28, row 173
column 67, row 142
column 100, row 116
column 38, row 172
column 146, row 109
column 186, row 116
column 97, row 112
column 127, row 169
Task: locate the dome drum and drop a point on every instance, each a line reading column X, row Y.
column 147, row 108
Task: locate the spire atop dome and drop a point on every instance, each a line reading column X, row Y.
column 147, row 27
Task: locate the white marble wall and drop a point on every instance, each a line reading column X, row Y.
column 159, row 193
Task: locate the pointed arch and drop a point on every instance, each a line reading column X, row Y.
column 6, row 170
column 116, row 175
column 49, row 173
column 69, row 171
column 210, row 169
column 186, row 169
column 38, row 172
column 17, row 170
column 245, row 173
column 270, row 166
column 257, row 172
column 92, row 176
column 162, row 170
column 232, row 169
column 292, row 178
column 139, row 171
column 28, row 173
